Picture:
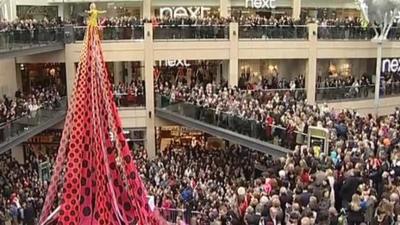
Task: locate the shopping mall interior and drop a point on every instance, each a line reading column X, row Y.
column 233, row 112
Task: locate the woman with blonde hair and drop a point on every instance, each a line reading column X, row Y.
column 356, row 211
column 384, row 213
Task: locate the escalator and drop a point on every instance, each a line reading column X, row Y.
column 231, row 128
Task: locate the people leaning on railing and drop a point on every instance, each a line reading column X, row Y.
column 130, row 94
column 348, row 87
column 22, row 105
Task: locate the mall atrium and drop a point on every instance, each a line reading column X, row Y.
column 228, row 112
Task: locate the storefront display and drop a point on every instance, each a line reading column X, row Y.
column 43, row 75
column 25, row 12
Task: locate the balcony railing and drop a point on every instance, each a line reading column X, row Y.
column 356, row 93
column 191, row 32
column 24, row 38
column 273, row 32
column 353, row 33
column 115, row 33
column 272, row 133
column 127, row 100
column 13, row 129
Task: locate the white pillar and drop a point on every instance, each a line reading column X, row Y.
column 234, row 54
column 70, row 69
column 118, row 69
column 311, row 77
column 8, row 77
column 61, row 11
column 378, row 76
column 296, row 9
column 223, row 7
column 146, row 9
column 129, row 71
column 149, row 83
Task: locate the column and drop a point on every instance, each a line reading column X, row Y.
column 296, row 9
column 70, row 69
column 61, row 11
column 223, row 7
column 234, row 55
column 129, row 71
column 18, row 154
column 311, row 76
column 146, row 9
column 149, row 83
column 378, row 76
column 118, row 72
column 8, row 77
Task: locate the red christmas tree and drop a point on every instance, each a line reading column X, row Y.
column 95, row 179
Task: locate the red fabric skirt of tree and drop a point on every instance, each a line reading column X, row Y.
column 95, row 180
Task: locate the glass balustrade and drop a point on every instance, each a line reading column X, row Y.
column 127, row 100
column 28, row 38
column 273, row 32
column 356, row 92
column 191, row 32
column 13, row 129
column 274, row 134
column 113, row 33
column 354, row 33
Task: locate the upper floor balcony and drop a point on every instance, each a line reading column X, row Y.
column 20, row 42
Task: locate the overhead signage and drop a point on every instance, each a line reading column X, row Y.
column 260, row 4
column 174, row 63
column 184, row 12
column 391, row 65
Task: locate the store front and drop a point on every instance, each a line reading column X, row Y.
column 42, row 75
column 185, row 136
column 345, row 79
column 115, row 9
column 189, row 8
column 128, row 83
column 190, row 72
column 272, row 73
column 38, row 13
column 327, row 9
column 249, row 8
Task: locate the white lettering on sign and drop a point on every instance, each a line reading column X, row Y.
column 183, row 12
column 391, row 65
column 261, row 4
column 175, row 63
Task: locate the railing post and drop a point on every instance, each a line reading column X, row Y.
column 69, row 34
column 311, row 76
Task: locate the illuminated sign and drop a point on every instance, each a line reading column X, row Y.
column 391, row 65
column 175, row 63
column 260, row 4
column 183, row 12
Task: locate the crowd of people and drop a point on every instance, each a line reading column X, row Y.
column 22, row 189
column 356, row 182
column 131, row 27
column 29, row 31
column 130, row 94
column 27, row 104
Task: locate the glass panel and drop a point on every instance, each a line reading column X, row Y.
column 345, row 32
column 113, row 33
column 273, row 32
column 387, row 89
column 23, row 39
column 13, row 129
column 284, row 135
column 191, row 32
